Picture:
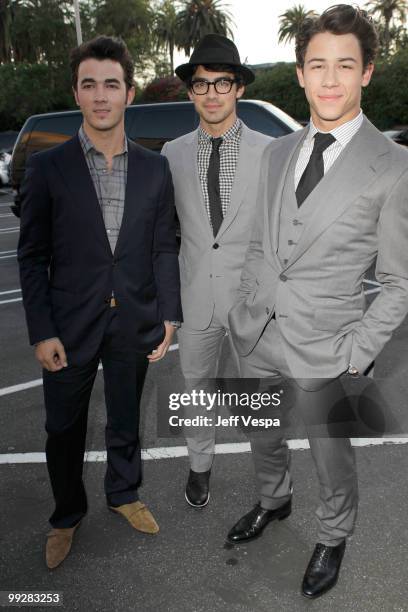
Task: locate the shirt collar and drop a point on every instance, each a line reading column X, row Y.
column 233, row 132
column 87, row 144
column 343, row 134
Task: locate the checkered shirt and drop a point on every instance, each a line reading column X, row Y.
column 110, row 186
column 229, row 151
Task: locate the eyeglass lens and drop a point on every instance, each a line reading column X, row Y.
column 222, row 86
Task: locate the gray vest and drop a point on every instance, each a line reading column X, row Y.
column 292, row 219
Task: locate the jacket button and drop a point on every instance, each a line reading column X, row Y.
column 215, row 245
column 267, row 310
column 283, row 277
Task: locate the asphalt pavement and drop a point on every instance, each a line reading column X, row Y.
column 188, row 567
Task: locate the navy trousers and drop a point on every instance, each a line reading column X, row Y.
column 67, row 394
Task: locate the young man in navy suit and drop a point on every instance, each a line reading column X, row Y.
column 100, row 282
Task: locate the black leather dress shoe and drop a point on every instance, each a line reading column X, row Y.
column 198, row 489
column 323, row 569
column 251, row 525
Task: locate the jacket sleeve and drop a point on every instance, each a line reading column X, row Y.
column 165, row 250
column 390, row 308
column 35, row 251
column 255, row 254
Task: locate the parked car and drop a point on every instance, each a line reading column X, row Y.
column 151, row 125
column 398, row 136
column 4, row 168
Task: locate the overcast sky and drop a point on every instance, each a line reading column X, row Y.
column 257, row 24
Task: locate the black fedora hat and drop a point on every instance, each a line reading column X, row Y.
column 214, row 49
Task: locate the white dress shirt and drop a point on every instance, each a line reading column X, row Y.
column 343, row 134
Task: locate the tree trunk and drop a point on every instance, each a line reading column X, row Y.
column 171, row 51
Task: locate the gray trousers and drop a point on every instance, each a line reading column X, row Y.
column 333, row 457
column 200, row 352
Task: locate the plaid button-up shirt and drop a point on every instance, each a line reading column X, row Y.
column 229, row 151
column 110, row 186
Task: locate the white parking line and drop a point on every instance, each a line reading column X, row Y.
column 31, row 384
column 7, row 252
column 21, row 387
column 8, row 256
column 4, row 215
column 173, row 452
column 10, row 291
column 11, row 301
column 10, row 230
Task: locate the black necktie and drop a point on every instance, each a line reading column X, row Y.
column 213, row 186
column 314, row 170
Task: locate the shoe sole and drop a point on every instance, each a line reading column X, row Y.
column 196, row 505
column 326, row 590
column 258, row 535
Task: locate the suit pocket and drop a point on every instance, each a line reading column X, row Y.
column 334, row 320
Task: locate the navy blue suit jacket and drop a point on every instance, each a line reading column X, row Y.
column 67, row 268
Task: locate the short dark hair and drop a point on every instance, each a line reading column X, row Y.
column 340, row 19
column 102, row 48
column 219, row 68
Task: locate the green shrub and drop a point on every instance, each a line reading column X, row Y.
column 279, row 85
column 27, row 89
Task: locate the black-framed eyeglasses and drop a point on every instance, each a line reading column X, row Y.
column 223, row 85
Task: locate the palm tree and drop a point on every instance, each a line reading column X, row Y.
column 200, row 17
column 388, row 11
column 5, row 36
column 166, row 29
column 291, row 22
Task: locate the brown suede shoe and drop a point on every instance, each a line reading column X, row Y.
column 59, row 542
column 138, row 515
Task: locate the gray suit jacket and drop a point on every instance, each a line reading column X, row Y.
column 360, row 214
column 208, row 273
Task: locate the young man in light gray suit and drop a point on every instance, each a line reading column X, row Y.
column 215, row 171
column 333, row 198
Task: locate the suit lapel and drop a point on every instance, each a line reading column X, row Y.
column 136, row 173
column 71, row 164
column 245, row 167
column 190, row 166
column 357, row 166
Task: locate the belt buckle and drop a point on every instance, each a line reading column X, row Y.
column 112, row 302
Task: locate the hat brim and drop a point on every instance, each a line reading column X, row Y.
column 185, row 71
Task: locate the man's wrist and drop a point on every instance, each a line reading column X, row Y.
column 175, row 324
column 45, row 340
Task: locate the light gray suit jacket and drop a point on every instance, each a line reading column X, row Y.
column 360, row 212
column 208, row 273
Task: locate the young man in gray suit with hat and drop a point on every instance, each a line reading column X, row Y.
column 215, row 172
column 333, row 200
